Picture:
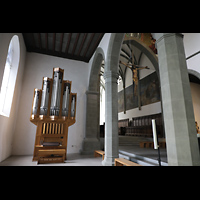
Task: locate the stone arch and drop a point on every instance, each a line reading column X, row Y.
column 96, row 66
column 194, row 73
column 112, row 57
column 195, row 99
column 146, row 50
column 91, row 140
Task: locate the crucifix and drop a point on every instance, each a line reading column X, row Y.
column 134, row 68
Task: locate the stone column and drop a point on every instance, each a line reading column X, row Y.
column 111, row 118
column 181, row 137
column 91, row 141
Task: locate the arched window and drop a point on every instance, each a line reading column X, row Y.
column 9, row 76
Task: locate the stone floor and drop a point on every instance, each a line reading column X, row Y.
column 74, row 159
column 128, row 144
column 146, row 152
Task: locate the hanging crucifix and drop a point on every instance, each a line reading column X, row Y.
column 134, row 68
column 133, row 64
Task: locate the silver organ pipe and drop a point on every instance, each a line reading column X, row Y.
column 73, row 106
column 65, row 103
column 45, row 96
column 36, row 101
column 56, row 92
column 55, row 99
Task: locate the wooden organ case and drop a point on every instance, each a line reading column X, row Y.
column 53, row 111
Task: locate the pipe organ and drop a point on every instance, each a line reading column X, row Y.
column 53, row 111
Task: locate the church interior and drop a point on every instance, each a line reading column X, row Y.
column 99, row 99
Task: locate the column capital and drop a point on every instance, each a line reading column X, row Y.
column 161, row 36
column 91, row 92
column 110, row 74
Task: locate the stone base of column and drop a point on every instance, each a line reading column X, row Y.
column 89, row 145
column 108, row 161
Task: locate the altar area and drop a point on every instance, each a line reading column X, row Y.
column 131, row 150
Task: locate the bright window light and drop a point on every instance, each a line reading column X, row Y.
column 9, row 77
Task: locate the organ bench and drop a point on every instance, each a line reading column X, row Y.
column 51, row 156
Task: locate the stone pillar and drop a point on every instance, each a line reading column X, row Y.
column 91, row 141
column 111, row 118
column 181, row 137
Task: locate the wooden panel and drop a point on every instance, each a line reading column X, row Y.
column 142, row 126
column 76, row 46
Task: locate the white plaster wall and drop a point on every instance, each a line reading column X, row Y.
column 192, row 45
column 150, row 109
column 8, row 124
column 37, row 66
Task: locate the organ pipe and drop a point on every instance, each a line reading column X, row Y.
column 73, row 106
column 65, row 103
column 56, row 91
column 36, row 101
column 55, row 99
column 45, row 96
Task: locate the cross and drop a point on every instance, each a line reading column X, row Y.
column 134, row 69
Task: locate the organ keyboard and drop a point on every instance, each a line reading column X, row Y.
column 53, row 111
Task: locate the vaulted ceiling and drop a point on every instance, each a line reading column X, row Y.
column 76, row 46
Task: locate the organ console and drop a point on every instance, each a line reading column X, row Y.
column 53, row 111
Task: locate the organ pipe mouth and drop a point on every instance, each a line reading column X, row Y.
column 56, row 69
column 33, row 116
column 53, row 117
column 42, row 117
column 45, row 78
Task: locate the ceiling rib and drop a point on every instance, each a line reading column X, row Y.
column 54, row 41
column 68, row 42
column 82, row 43
column 46, row 41
column 39, row 38
column 88, row 45
column 61, row 41
column 75, row 44
column 96, row 43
